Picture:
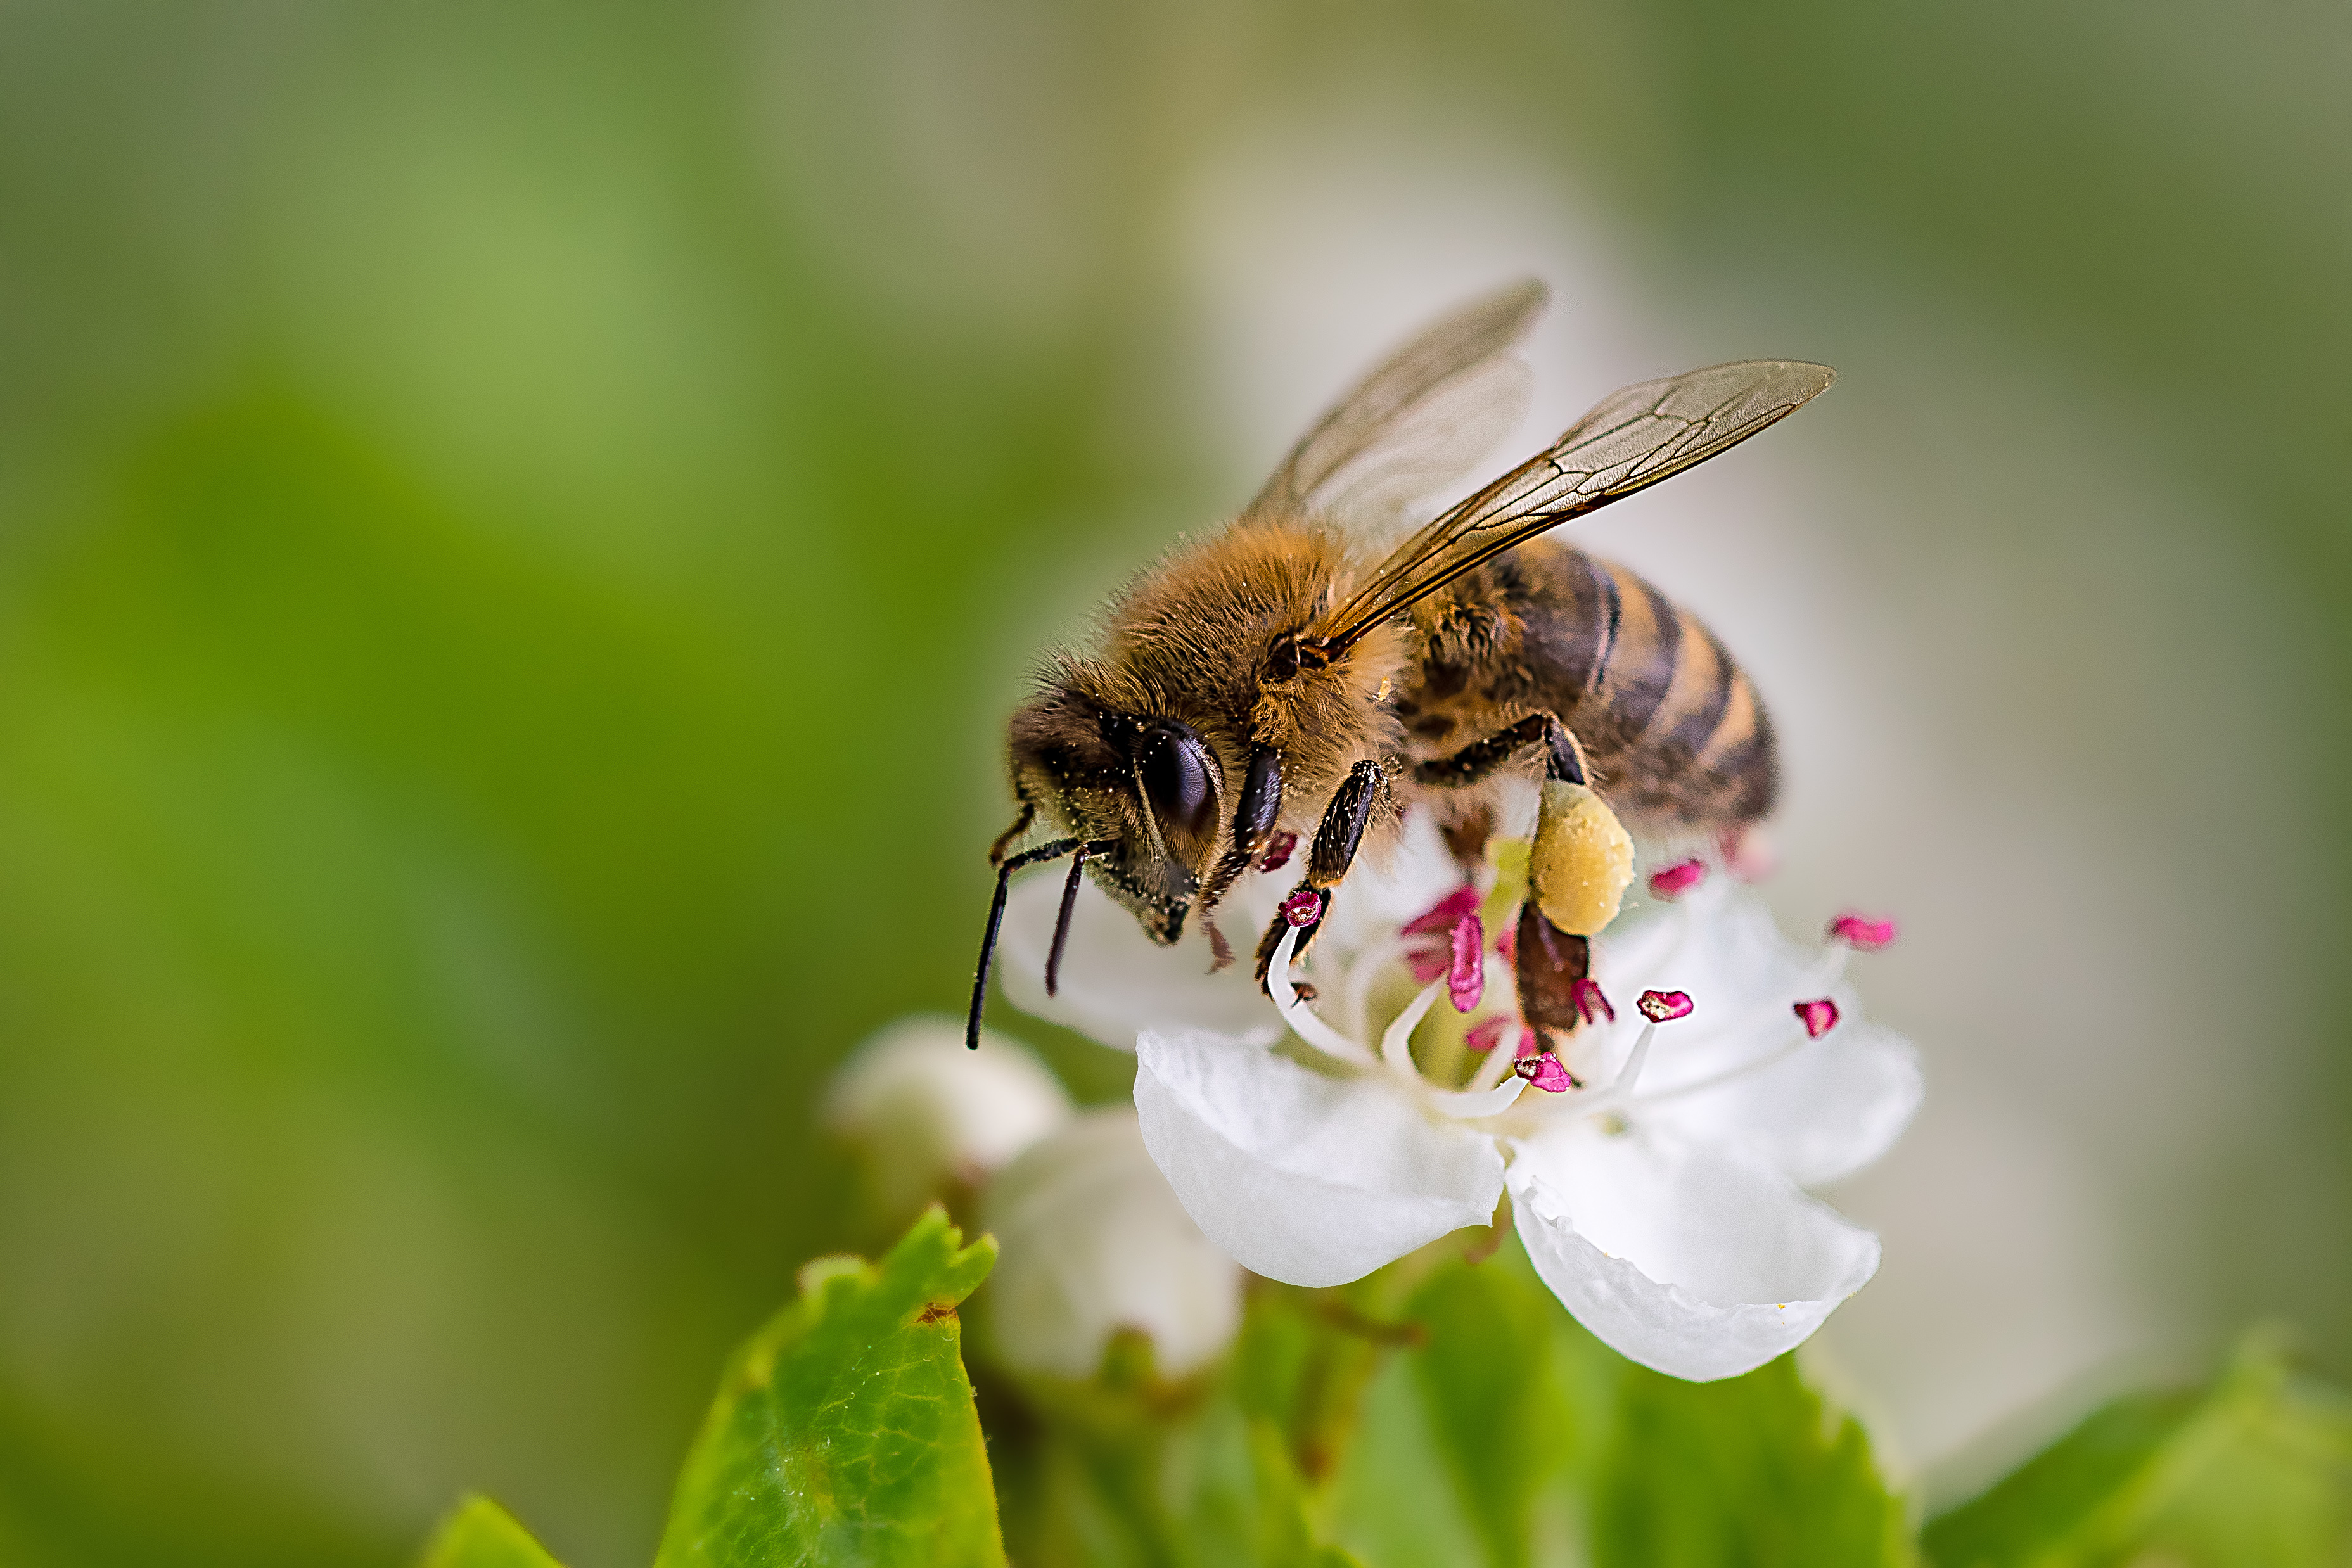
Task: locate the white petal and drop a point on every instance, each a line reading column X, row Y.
column 1827, row 1109
column 1092, row 1240
column 1740, row 1070
column 1115, row 981
column 1722, row 947
column 1699, row 1264
column 1304, row 1179
column 924, row 1112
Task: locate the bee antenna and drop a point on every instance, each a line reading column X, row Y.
column 1004, row 870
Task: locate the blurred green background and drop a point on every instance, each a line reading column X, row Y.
column 519, row 524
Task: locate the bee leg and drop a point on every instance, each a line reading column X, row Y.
column 1476, row 763
column 1551, row 963
column 1255, row 816
column 1012, row 835
column 1336, row 839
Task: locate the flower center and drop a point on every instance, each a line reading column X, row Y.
column 1460, row 1062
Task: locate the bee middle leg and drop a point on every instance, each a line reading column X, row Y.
column 1476, row 763
column 1336, row 839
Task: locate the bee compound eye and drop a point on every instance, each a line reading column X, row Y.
column 1175, row 772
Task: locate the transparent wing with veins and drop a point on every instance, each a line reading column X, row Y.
column 1634, row 438
column 1417, row 422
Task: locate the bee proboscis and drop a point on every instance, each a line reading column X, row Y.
column 1265, row 682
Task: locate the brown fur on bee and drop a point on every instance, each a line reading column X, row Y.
column 1275, row 678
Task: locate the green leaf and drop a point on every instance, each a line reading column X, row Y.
column 1486, row 1382
column 481, row 1534
column 1752, row 1470
column 1305, row 1359
column 1286, row 1533
column 2052, row 1499
column 2255, row 1471
column 844, row 1431
column 1128, row 1469
column 1389, row 1501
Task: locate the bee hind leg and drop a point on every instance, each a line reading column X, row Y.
column 1336, row 839
column 1553, row 965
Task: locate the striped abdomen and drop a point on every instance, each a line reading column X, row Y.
column 1674, row 733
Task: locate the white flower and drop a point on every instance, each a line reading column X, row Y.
column 1661, row 1198
column 1091, row 1241
column 927, row 1116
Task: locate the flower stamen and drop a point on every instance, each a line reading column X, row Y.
column 1546, row 1071
column 1819, row 1016
column 1297, row 1015
column 1465, row 977
column 1664, row 1006
column 1444, row 915
column 1674, row 881
column 1396, row 1040
column 1484, row 1037
column 1590, row 1001
column 1304, row 907
column 1861, row 933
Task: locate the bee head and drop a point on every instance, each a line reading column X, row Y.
column 1146, row 785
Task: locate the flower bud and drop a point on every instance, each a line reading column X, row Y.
column 1582, row 862
column 927, row 1116
column 1092, row 1240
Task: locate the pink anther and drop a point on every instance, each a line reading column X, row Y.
column 1508, row 945
column 1304, row 907
column 1861, row 933
column 1818, row 1017
column 1664, row 1007
column 1543, row 1069
column 1277, row 852
column 1674, row 881
column 1590, row 1003
column 1485, row 1036
column 1465, row 978
column 1444, row 915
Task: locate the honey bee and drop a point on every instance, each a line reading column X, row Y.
column 1264, row 684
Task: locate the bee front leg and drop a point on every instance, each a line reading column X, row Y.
column 1336, row 839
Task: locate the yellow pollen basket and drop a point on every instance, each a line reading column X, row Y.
column 1582, row 860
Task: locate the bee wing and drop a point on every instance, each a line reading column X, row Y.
column 1632, row 439
column 1422, row 419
